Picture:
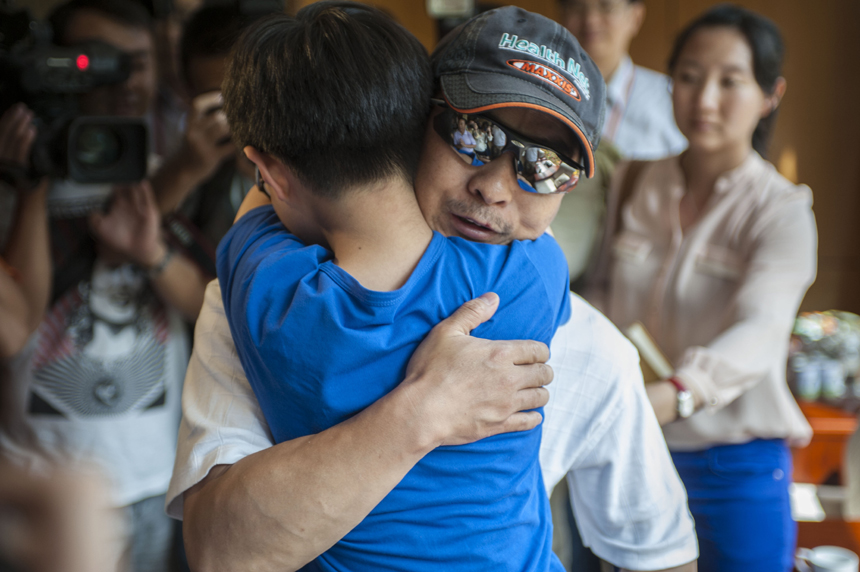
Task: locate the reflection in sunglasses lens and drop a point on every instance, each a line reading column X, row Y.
column 478, row 140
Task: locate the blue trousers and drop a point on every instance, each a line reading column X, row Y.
column 739, row 499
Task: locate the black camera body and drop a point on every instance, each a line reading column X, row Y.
column 48, row 78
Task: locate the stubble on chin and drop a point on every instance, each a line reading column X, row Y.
column 504, row 231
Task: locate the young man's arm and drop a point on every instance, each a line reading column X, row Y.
column 281, row 507
column 255, row 198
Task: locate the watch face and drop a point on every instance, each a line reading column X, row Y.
column 685, row 404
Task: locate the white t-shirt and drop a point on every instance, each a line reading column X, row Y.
column 639, row 118
column 600, row 429
column 99, row 384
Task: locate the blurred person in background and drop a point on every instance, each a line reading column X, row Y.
column 25, row 267
column 56, row 521
column 140, row 95
column 207, row 179
column 100, row 382
column 171, row 100
column 713, row 253
column 639, row 119
column 127, row 26
column 638, row 123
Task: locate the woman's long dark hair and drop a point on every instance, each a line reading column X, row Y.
column 765, row 42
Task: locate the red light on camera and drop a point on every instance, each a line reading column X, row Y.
column 83, row 62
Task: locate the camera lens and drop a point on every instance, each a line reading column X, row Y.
column 104, row 149
column 97, row 147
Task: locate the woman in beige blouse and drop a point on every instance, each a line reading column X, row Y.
column 713, row 254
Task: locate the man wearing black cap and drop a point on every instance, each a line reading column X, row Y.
column 251, row 505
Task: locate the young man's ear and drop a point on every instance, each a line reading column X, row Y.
column 272, row 171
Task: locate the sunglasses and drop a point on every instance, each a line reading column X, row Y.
column 540, row 169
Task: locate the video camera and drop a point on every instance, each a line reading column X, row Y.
column 48, row 78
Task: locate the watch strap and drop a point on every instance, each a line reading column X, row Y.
column 677, row 383
column 686, row 405
column 158, row 267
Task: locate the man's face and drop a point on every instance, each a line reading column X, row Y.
column 485, row 204
column 604, row 28
column 132, row 97
column 205, row 75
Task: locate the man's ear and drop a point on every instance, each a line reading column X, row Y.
column 637, row 13
column 272, row 171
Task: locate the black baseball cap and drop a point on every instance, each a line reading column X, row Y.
column 509, row 57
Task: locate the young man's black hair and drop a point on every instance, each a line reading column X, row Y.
column 340, row 94
column 126, row 12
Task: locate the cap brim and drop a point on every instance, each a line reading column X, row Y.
column 476, row 92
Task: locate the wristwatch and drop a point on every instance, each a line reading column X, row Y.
column 686, row 405
column 157, row 268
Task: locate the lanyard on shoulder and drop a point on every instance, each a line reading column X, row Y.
column 617, row 114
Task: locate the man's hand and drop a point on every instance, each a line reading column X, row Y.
column 131, row 226
column 17, row 134
column 206, row 144
column 59, row 522
column 207, row 136
column 475, row 387
column 131, row 231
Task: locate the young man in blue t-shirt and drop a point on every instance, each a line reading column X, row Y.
column 331, row 107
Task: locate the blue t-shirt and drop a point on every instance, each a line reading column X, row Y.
column 317, row 348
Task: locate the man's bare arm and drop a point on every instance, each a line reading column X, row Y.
column 280, row 508
column 132, row 228
column 202, row 151
column 23, row 301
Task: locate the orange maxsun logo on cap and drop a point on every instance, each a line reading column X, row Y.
column 546, row 74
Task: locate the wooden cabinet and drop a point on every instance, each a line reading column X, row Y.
column 819, row 462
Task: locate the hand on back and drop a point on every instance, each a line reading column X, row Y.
column 471, row 388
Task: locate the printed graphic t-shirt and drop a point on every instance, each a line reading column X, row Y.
column 480, row 506
column 100, row 383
